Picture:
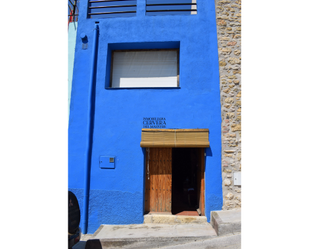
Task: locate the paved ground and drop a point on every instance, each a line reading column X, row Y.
column 155, row 230
column 232, row 241
column 169, row 236
column 82, row 243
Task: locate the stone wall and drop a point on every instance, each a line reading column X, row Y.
column 228, row 14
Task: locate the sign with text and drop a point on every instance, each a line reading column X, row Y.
column 154, row 123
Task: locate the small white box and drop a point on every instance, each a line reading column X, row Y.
column 237, row 178
column 107, row 162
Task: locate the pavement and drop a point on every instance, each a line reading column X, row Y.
column 224, row 231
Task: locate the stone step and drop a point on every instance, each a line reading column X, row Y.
column 226, row 222
column 170, row 231
column 147, row 235
column 174, row 219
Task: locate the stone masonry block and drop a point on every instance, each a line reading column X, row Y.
column 226, row 222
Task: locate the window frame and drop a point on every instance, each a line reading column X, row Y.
column 141, row 50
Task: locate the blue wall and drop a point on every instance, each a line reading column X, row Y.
column 117, row 195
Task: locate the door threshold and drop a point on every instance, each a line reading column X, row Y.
column 188, row 213
column 173, row 219
column 159, row 213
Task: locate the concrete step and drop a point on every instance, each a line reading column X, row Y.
column 226, row 222
column 173, row 219
column 232, row 241
column 170, row 231
column 147, row 235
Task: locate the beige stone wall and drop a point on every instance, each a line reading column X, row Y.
column 228, row 14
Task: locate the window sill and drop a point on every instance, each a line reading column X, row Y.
column 153, row 88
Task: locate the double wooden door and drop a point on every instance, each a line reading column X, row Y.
column 158, row 182
column 158, row 192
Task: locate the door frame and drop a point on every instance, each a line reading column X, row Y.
column 200, row 176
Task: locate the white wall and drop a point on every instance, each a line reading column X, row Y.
column 71, row 51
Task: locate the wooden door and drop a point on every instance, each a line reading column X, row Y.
column 158, row 183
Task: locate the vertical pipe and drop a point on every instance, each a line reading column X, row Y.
column 90, row 112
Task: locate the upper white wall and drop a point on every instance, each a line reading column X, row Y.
column 72, row 30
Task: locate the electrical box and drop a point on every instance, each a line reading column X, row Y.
column 237, row 178
column 107, row 162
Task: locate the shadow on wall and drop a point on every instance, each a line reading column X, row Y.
column 208, row 152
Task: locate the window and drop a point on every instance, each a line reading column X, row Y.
column 145, row 68
column 171, row 7
column 128, row 8
column 111, row 8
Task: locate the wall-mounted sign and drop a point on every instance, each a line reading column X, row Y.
column 154, row 123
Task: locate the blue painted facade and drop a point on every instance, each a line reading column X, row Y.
column 108, row 122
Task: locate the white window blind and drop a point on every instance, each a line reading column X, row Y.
column 150, row 68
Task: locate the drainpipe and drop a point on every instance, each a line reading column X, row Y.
column 90, row 112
